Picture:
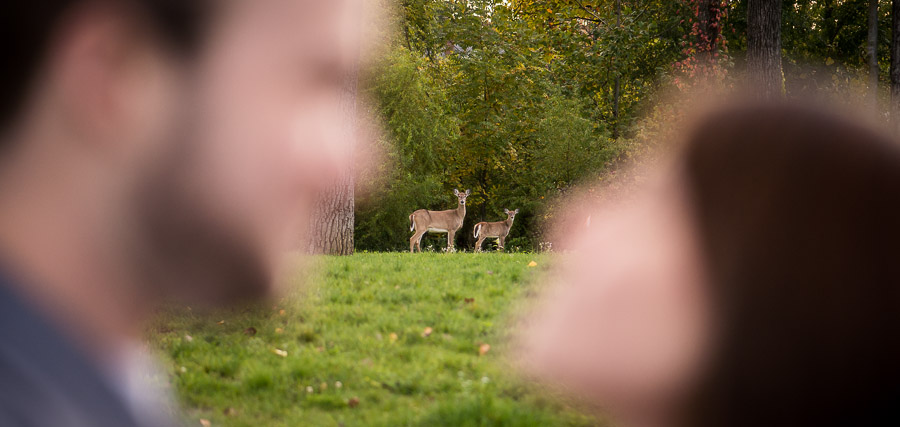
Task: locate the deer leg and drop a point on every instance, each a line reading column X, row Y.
column 478, row 244
column 450, row 234
column 502, row 241
column 419, row 241
column 415, row 242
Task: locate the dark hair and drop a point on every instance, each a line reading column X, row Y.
column 799, row 216
column 28, row 28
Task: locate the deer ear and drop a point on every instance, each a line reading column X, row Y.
column 517, row 211
column 455, row 192
column 468, row 192
column 506, row 211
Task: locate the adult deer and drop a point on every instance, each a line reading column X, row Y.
column 423, row 221
column 499, row 229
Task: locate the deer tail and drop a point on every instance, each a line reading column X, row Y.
column 412, row 224
column 477, row 228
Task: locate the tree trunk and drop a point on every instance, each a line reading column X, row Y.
column 331, row 228
column 764, row 48
column 895, row 63
column 617, row 83
column 616, row 95
column 708, row 28
column 872, row 52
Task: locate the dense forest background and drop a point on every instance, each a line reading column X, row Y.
column 520, row 100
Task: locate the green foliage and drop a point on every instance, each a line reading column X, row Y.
column 341, row 331
column 519, row 100
column 484, row 95
column 421, row 134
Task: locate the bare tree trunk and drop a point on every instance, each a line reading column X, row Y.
column 895, row 63
column 872, row 52
column 764, row 48
column 331, row 228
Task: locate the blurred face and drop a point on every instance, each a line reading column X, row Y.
column 628, row 323
column 262, row 133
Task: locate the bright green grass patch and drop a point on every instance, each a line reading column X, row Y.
column 356, row 334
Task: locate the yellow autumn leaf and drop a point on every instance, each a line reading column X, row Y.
column 532, row 264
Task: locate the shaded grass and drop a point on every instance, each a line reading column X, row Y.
column 362, row 324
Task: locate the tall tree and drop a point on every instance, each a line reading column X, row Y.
column 872, row 52
column 764, row 48
column 895, row 63
column 709, row 17
column 617, row 87
column 331, row 228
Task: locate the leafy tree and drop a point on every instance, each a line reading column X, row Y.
column 520, row 100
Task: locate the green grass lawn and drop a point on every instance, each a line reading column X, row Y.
column 350, row 348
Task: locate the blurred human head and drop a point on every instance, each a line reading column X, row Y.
column 756, row 283
column 205, row 128
column 796, row 211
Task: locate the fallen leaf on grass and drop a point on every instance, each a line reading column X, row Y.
column 532, row 264
column 205, row 422
column 221, row 322
column 279, row 331
column 281, row 312
column 469, row 300
column 280, row 352
column 251, row 331
column 188, row 338
column 427, row 332
column 323, row 386
column 353, row 402
column 393, row 337
column 483, row 349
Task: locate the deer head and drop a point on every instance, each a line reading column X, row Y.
column 462, row 196
column 510, row 215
